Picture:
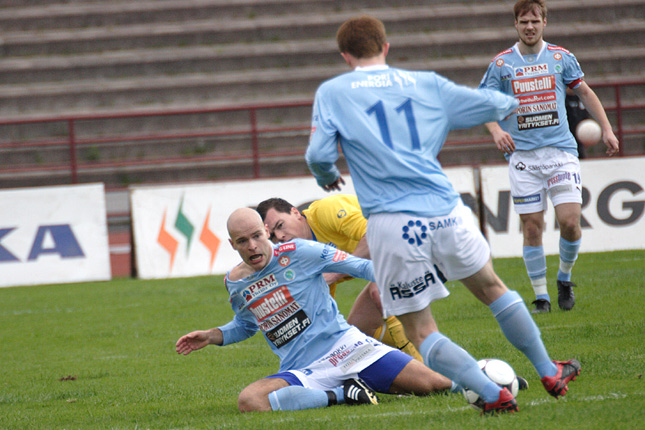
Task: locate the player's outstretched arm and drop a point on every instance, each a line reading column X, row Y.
column 503, row 140
column 197, row 340
column 594, row 106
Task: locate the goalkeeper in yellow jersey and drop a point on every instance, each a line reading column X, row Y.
column 338, row 221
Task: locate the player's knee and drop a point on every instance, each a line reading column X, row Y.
column 570, row 228
column 532, row 231
column 250, row 401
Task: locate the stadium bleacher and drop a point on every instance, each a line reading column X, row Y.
column 88, row 57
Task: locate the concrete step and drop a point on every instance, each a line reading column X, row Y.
column 297, row 27
column 288, row 55
column 170, row 171
column 41, row 15
column 154, row 149
column 249, row 86
column 122, row 13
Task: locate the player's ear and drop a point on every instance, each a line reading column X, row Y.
column 386, row 49
column 348, row 58
column 296, row 212
column 231, row 242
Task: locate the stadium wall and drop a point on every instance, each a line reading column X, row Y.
column 180, row 231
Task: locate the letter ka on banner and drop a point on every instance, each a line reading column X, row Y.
column 52, row 235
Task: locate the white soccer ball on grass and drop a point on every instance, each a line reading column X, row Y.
column 501, row 373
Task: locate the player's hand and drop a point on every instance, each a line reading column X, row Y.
column 192, row 342
column 611, row 142
column 504, row 142
column 332, row 278
column 334, row 186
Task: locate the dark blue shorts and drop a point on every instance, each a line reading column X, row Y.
column 380, row 375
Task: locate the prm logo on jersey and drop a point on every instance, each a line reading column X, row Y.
column 263, row 285
column 534, row 70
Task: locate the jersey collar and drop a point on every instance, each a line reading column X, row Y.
column 526, row 58
column 371, row 68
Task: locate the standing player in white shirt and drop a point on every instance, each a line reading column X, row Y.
column 391, row 125
column 542, row 152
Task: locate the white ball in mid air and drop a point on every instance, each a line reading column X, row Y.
column 588, row 132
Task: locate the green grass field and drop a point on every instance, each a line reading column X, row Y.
column 101, row 355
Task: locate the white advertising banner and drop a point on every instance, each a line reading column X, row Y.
column 180, row 231
column 613, row 209
column 52, row 235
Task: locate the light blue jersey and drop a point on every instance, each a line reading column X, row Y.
column 391, row 125
column 289, row 302
column 539, row 83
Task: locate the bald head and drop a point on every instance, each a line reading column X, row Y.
column 243, row 219
column 249, row 237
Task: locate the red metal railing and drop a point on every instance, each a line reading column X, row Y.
column 253, row 131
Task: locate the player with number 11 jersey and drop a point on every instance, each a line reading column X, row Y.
column 347, row 107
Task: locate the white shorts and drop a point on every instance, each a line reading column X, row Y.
column 407, row 250
column 354, row 352
column 540, row 172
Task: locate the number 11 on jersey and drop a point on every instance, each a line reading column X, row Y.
column 406, row 108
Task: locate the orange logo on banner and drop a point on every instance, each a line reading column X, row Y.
column 209, row 239
column 167, row 242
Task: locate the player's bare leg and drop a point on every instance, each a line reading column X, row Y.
column 366, row 314
column 417, row 379
column 568, row 215
column 485, row 284
column 418, row 325
column 255, row 397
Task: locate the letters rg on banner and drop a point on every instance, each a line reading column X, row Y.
column 613, row 209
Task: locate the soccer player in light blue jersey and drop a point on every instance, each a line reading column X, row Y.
column 280, row 291
column 391, row 125
column 542, row 152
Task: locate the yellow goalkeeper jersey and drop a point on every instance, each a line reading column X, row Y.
column 338, row 221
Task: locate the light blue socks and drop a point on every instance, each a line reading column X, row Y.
column 446, row 357
column 535, row 262
column 522, row 332
column 568, row 256
column 295, row 398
